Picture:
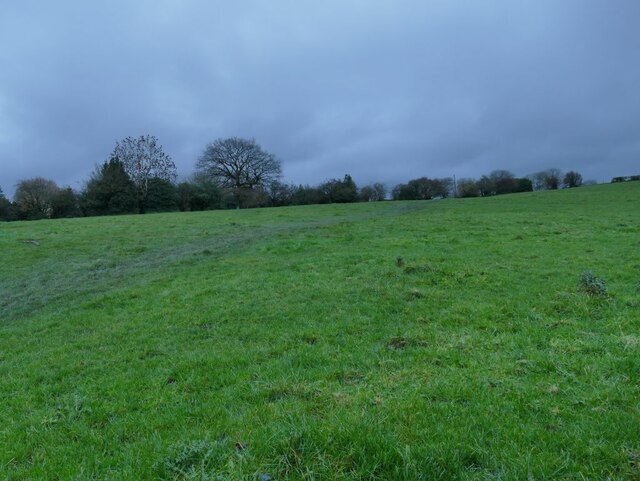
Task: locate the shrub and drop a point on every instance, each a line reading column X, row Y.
column 593, row 285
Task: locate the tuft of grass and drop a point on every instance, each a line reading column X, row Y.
column 593, row 285
column 200, row 460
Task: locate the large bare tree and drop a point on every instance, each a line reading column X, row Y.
column 143, row 159
column 239, row 165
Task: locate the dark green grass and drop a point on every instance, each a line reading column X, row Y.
column 293, row 343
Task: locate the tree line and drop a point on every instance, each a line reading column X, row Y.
column 139, row 177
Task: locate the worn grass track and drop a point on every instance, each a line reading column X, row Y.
column 293, row 343
column 80, row 257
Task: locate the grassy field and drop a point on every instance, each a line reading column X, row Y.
column 399, row 340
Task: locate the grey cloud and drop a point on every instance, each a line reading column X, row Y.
column 386, row 91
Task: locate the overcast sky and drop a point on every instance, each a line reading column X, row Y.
column 384, row 90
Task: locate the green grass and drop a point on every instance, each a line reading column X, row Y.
column 292, row 343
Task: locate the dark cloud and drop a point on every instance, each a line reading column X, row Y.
column 386, row 91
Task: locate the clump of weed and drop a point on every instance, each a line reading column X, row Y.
column 348, row 377
column 397, row 342
column 194, row 460
column 69, row 409
column 415, row 294
column 634, row 458
column 309, row 338
column 402, row 342
column 399, row 261
column 593, row 285
column 150, row 353
column 418, row 269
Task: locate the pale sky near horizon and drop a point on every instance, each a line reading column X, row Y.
column 383, row 90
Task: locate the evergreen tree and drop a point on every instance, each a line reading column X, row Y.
column 162, row 196
column 305, row 195
column 65, row 204
column 339, row 191
column 524, row 185
column 6, row 208
column 422, row 188
column 199, row 194
column 110, row 191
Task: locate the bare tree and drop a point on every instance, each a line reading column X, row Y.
column 239, row 165
column 553, row 178
column 546, row 179
column 468, row 188
column 34, row 196
column 503, row 181
column 486, row 186
column 280, row 193
column 143, row 159
column 372, row 193
column 572, row 179
column 379, row 191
